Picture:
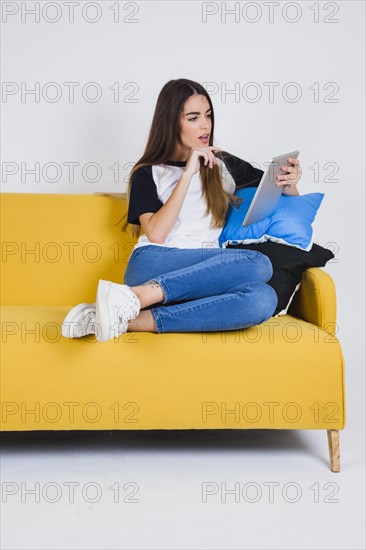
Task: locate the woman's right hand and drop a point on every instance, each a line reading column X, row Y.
column 193, row 162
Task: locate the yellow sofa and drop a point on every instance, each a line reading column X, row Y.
column 287, row 373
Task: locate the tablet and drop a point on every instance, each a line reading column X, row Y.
column 268, row 193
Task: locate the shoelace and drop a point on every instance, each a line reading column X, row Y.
column 89, row 324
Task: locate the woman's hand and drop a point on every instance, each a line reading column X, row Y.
column 292, row 175
column 193, row 162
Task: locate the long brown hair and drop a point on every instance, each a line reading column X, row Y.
column 163, row 136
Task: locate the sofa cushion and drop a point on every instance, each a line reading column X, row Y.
column 289, row 263
column 149, row 381
column 290, row 223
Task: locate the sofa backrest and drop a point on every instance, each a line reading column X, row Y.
column 56, row 247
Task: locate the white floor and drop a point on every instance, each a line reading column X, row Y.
column 166, row 490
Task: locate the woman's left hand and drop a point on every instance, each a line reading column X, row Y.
column 292, row 173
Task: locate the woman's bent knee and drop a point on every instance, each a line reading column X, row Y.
column 267, row 302
column 265, row 268
column 261, row 264
column 258, row 303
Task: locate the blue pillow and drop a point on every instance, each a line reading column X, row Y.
column 290, row 223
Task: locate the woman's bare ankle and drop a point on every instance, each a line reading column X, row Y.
column 144, row 322
column 149, row 293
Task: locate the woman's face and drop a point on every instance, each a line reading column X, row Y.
column 196, row 122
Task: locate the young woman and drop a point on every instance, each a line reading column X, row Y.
column 177, row 278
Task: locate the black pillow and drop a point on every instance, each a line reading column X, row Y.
column 289, row 263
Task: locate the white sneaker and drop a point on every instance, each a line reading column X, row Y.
column 79, row 322
column 115, row 305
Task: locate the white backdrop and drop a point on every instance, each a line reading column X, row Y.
column 282, row 76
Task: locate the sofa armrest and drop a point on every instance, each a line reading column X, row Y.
column 315, row 301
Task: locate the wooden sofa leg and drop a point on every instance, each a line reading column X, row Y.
column 334, row 455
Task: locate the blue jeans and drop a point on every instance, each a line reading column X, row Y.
column 210, row 289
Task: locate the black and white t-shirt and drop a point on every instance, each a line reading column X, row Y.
column 152, row 186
